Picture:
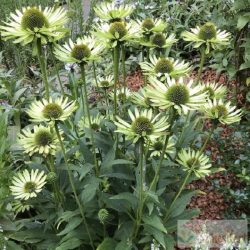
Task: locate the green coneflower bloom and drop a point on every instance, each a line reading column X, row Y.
column 140, row 98
column 19, row 206
column 123, row 94
column 214, row 90
column 41, row 140
column 96, row 122
column 143, row 125
column 117, row 32
column 159, row 40
column 156, row 146
column 176, row 94
column 85, row 49
column 194, row 161
column 222, row 112
column 105, row 82
column 27, row 185
column 207, row 35
column 58, row 109
column 112, row 13
column 163, row 67
column 33, row 23
column 149, row 26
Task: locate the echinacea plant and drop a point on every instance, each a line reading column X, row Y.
column 101, row 166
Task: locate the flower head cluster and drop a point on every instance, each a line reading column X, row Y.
column 123, row 94
column 83, row 50
column 148, row 26
column 111, row 13
column 42, row 140
column 32, row 23
column 195, row 162
column 214, row 90
column 222, row 112
column 207, row 35
column 156, row 147
column 164, row 67
column 95, row 122
column 158, row 40
column 117, row 32
column 105, row 82
column 141, row 98
column 58, row 109
column 143, row 125
column 176, row 94
column 28, row 184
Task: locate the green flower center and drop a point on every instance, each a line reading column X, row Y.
column 142, row 126
column 117, row 19
column 30, row 187
column 121, row 97
column 95, row 126
column 158, row 39
column 43, row 138
column 51, row 177
column 207, row 31
column 80, row 52
column 221, row 110
column 52, row 111
column 104, row 83
column 158, row 146
column 148, row 24
column 193, row 161
column 33, row 18
column 178, row 94
column 164, row 66
column 209, row 91
column 118, row 28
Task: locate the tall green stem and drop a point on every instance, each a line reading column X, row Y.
column 56, row 68
column 42, row 63
column 188, row 175
column 140, row 189
column 94, row 69
column 73, row 185
column 202, row 61
column 58, row 194
column 89, row 118
column 124, row 67
column 116, row 75
column 157, row 172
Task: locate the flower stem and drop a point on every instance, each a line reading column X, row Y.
column 116, row 75
column 157, row 172
column 123, row 67
column 94, row 69
column 56, row 68
column 81, row 208
column 187, row 176
column 42, row 63
column 58, row 194
column 141, row 190
column 202, row 61
column 89, row 119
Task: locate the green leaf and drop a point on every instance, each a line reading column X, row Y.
column 85, row 169
column 130, row 198
column 181, row 203
column 73, row 223
column 124, row 245
column 72, row 243
column 11, row 245
column 155, row 221
column 242, row 21
column 89, row 191
column 107, row 244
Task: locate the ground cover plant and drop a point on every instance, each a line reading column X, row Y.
column 87, row 163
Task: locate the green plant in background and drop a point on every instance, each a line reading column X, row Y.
column 87, row 176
